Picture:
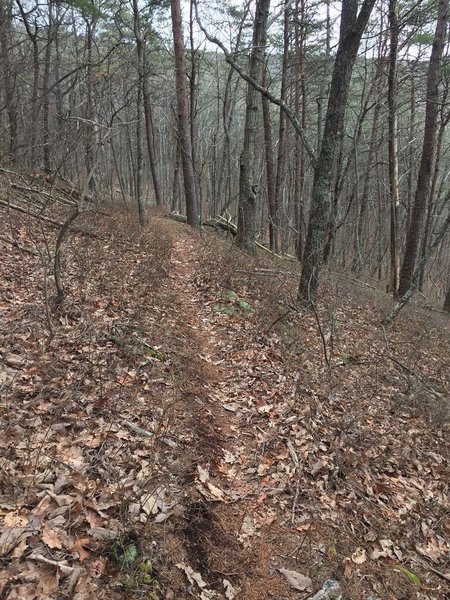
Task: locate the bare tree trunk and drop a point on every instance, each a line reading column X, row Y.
column 139, row 118
column 446, row 306
column 300, row 103
column 414, row 284
column 89, row 113
column 33, row 37
column 270, row 171
column 352, row 28
column 183, row 129
column 281, row 158
column 46, row 91
column 248, row 180
column 8, row 77
column 431, row 196
column 149, row 131
column 414, row 232
column 393, row 147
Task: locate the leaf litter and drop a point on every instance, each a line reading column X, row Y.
column 234, row 461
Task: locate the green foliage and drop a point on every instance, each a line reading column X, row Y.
column 124, row 555
column 225, row 310
column 413, row 578
column 234, row 299
column 423, row 38
column 86, row 7
column 228, row 294
column 245, row 306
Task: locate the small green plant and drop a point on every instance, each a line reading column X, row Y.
column 124, row 555
column 413, row 578
column 228, row 295
column 246, row 306
column 234, row 299
column 224, row 310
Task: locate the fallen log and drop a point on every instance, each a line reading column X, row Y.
column 48, row 220
column 18, row 246
column 228, row 226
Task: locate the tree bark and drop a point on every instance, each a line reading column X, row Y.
column 446, row 306
column 8, row 77
column 393, row 147
column 270, row 171
column 248, row 180
column 183, row 128
column 414, row 232
column 352, row 28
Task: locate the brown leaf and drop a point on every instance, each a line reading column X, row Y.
column 11, row 537
column 359, row 556
column 78, row 547
column 52, row 537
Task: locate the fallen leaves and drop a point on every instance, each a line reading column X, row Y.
column 92, row 447
column 296, row 580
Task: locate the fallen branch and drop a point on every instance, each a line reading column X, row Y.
column 30, row 214
column 48, row 220
column 228, row 226
column 23, row 188
column 17, row 245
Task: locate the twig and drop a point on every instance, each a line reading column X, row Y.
column 277, row 320
column 66, row 569
column 135, row 429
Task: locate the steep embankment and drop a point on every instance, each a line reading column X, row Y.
column 177, row 409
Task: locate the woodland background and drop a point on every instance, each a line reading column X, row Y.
column 88, row 93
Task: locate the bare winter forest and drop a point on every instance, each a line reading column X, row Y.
column 224, row 299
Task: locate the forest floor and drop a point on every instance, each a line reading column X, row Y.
column 177, row 427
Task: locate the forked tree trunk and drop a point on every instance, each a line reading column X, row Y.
column 248, row 179
column 352, row 28
column 183, row 128
column 393, row 147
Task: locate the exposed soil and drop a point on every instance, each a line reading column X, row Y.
column 178, row 408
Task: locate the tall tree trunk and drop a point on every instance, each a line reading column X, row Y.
column 352, row 28
column 33, row 37
column 89, row 113
column 414, row 232
column 46, row 91
column 393, row 147
column 282, row 152
column 434, row 185
column 300, row 103
column 183, row 129
column 139, row 117
column 270, row 171
column 248, row 180
column 150, row 135
column 9, row 78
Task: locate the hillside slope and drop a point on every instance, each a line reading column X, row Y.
column 178, row 428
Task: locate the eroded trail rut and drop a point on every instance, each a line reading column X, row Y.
column 231, row 535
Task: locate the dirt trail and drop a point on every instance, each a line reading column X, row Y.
column 225, row 534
